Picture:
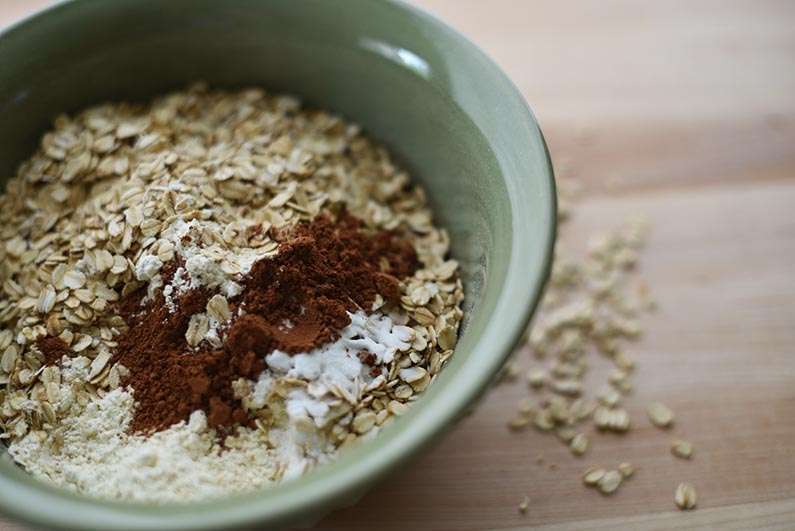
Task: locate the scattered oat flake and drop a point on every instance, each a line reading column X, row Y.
column 682, row 449
column 518, row 423
column 527, row 407
column 543, row 420
column 593, row 475
column 566, row 433
column 610, row 482
column 536, row 378
column 524, row 504
column 626, row 469
column 660, row 415
column 508, row 373
column 685, row 496
column 579, row 444
column 590, row 305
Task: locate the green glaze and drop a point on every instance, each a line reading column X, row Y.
column 449, row 115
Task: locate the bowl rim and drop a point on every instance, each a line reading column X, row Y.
column 520, row 293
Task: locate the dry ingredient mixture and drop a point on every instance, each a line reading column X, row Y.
column 592, row 305
column 212, row 293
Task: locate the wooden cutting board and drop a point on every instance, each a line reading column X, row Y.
column 683, row 111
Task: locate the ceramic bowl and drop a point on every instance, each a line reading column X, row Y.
column 446, row 112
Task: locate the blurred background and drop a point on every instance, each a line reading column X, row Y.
column 683, row 112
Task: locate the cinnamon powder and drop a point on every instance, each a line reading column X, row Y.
column 294, row 302
column 299, row 299
column 54, row 348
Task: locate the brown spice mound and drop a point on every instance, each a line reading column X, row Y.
column 295, row 301
column 299, row 299
column 53, row 348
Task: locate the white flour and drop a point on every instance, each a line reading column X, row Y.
column 182, row 463
column 204, row 264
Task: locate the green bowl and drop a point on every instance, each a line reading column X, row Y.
column 447, row 113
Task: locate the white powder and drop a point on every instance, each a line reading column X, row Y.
column 203, row 264
column 180, row 283
column 204, row 271
column 180, row 464
column 155, row 283
column 213, row 336
column 231, row 289
column 336, row 365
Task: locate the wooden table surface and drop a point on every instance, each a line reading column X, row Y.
column 683, row 111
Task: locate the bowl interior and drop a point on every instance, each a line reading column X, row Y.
column 447, row 114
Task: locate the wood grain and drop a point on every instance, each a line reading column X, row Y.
column 681, row 111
